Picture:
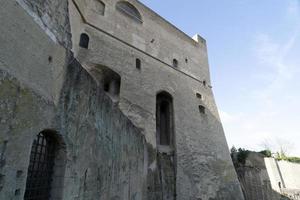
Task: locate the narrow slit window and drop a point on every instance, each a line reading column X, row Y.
column 175, row 63
column 164, row 119
column 138, row 64
column 84, row 41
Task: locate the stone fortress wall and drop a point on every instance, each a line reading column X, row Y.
column 268, row 179
column 94, row 74
column 284, row 177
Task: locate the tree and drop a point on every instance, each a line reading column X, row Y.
column 284, row 147
column 281, row 147
column 233, row 150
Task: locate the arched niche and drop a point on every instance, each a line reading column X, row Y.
column 164, row 119
column 107, row 79
column 98, row 7
column 47, row 161
column 129, row 10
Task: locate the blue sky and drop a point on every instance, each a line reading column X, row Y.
column 254, row 55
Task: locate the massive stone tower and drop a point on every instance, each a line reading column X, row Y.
column 106, row 100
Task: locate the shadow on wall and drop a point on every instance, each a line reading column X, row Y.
column 255, row 179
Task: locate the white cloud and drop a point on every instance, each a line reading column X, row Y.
column 274, row 101
column 251, row 130
column 228, row 118
column 293, row 10
column 272, row 55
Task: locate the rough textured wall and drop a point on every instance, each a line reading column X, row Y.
column 23, row 114
column 111, row 148
column 204, row 168
column 164, row 45
column 52, row 16
column 29, row 53
column 105, row 151
column 108, row 157
column 255, row 179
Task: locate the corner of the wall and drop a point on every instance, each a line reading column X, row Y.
column 200, row 40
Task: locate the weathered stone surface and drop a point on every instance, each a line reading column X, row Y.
column 23, row 114
column 257, row 179
column 49, row 82
column 105, row 151
column 54, row 17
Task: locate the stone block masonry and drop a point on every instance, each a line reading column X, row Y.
column 96, row 103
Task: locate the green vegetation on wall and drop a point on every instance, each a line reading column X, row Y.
column 240, row 155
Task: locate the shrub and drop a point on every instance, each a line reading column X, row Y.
column 242, row 155
column 266, row 153
column 293, row 159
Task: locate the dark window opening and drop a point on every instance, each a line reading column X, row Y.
column 138, row 63
column 186, row 60
column 50, row 59
column 164, row 119
column 106, row 87
column 112, row 84
column 114, row 87
column 46, row 167
column 175, row 63
column 84, row 41
column 17, row 192
column 128, row 9
column 204, row 83
column 202, row 109
column 165, row 123
column 198, row 95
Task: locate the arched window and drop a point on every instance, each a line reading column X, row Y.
column 84, row 41
column 98, row 7
column 164, row 119
column 175, row 63
column 46, row 168
column 128, row 9
column 166, row 160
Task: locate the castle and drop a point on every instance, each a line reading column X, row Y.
column 106, row 100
